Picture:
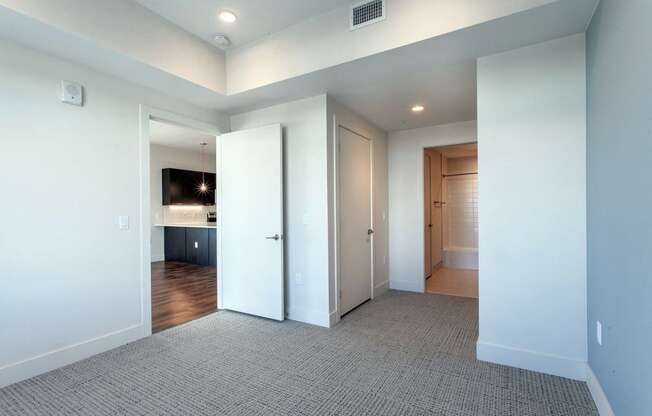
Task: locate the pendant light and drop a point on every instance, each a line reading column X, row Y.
column 203, row 188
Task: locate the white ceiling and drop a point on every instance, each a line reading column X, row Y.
column 179, row 137
column 256, row 18
column 448, row 93
column 438, row 72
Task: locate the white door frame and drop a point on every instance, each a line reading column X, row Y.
column 421, row 246
column 336, row 211
column 146, row 114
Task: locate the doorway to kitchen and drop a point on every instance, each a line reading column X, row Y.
column 183, row 216
column 201, row 220
column 451, row 220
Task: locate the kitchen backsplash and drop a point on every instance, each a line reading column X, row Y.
column 184, row 215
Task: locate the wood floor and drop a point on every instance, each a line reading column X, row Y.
column 453, row 282
column 181, row 292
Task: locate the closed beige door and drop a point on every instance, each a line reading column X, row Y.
column 355, row 229
column 427, row 231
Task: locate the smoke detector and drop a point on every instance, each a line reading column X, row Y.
column 222, row 40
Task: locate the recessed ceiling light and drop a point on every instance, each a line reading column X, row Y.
column 227, row 16
column 418, row 108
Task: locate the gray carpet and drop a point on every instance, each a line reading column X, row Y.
column 402, row 354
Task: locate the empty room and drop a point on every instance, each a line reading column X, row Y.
column 309, row 207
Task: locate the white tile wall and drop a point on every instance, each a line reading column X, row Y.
column 461, row 211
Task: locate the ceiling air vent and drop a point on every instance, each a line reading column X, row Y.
column 366, row 13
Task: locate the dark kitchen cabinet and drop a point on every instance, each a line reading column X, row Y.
column 175, row 244
column 197, row 246
column 183, row 187
column 212, row 247
column 191, row 245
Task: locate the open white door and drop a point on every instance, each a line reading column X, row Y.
column 250, row 208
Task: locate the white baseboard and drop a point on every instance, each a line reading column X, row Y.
column 532, row 360
column 405, row 285
column 15, row 372
column 381, row 288
column 157, row 257
column 599, row 396
column 309, row 316
column 334, row 318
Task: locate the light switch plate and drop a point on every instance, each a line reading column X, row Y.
column 72, row 93
column 123, row 222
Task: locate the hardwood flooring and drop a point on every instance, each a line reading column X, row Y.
column 453, row 282
column 181, row 292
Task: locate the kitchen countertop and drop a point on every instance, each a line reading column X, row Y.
column 193, row 225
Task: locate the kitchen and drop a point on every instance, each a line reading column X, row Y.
column 184, row 232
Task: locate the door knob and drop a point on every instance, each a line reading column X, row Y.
column 274, row 237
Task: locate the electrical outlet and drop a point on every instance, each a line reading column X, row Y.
column 598, row 332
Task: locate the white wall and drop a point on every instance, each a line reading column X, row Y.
column 306, row 203
column 162, row 157
column 349, row 119
column 532, row 163
column 309, row 211
column 405, row 158
column 70, row 278
column 326, row 40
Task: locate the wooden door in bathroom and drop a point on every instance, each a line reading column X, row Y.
column 436, row 204
column 427, row 205
column 433, row 221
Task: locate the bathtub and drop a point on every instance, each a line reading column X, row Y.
column 461, row 258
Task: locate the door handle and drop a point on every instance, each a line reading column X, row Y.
column 370, row 231
column 275, row 237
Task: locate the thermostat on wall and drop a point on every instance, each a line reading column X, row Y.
column 72, row 93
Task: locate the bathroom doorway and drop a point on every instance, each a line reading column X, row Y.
column 451, row 220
